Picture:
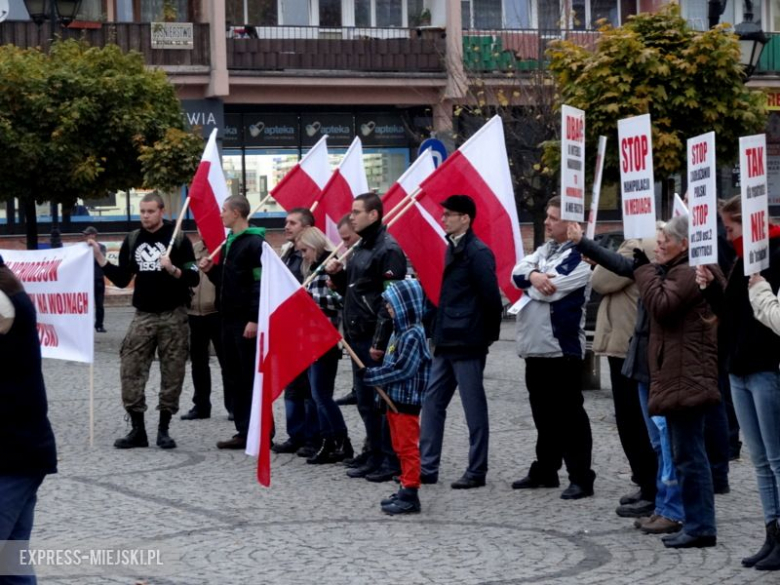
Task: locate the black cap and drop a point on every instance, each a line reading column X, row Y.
column 461, row 204
column 90, row 231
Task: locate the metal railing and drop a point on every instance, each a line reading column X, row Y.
column 281, row 48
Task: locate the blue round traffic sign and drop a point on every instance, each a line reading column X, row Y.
column 437, row 148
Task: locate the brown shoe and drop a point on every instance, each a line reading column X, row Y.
column 639, row 522
column 236, row 442
column 661, row 526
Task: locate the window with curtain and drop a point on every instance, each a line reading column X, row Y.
column 91, row 10
column 517, row 14
column 487, row 14
column 295, row 12
column 579, row 17
column 549, row 15
column 363, row 13
column 607, row 9
column 388, row 13
column 152, row 10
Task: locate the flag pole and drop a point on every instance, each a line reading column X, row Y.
column 320, row 268
column 176, row 230
column 402, row 203
column 360, row 364
column 314, row 205
column 400, row 214
column 255, row 210
column 92, row 404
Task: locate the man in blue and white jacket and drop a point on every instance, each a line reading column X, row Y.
column 551, row 339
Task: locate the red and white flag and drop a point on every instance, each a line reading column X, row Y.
column 347, row 182
column 480, row 169
column 207, row 194
column 292, row 333
column 420, row 236
column 303, row 184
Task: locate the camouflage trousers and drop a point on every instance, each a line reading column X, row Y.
column 166, row 333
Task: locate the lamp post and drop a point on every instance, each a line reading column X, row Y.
column 751, row 40
column 62, row 11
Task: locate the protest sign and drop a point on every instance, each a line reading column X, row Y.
column 755, row 202
column 572, row 164
column 637, row 184
column 702, row 201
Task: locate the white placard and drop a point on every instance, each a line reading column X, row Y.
column 572, row 164
column 679, row 207
column 61, row 285
column 702, row 201
column 755, row 202
column 637, row 185
column 596, row 193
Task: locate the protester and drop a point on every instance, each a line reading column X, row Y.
column 404, row 375
column 300, row 409
column 551, row 339
column 668, row 513
column 27, row 447
column 237, row 278
column 467, row 322
column 683, row 359
column 205, row 329
column 615, row 325
column 335, row 445
column 90, row 233
column 160, row 296
column 350, row 238
column 376, row 261
column 753, row 354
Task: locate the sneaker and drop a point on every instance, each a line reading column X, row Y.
column 661, row 525
column 406, row 502
column 636, row 510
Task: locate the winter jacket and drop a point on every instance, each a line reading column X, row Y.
column 553, row 325
column 616, row 318
column 766, row 305
column 406, row 367
column 683, row 348
column 468, row 319
column 293, row 259
column 749, row 345
column 26, row 439
column 237, row 276
column 155, row 290
column 376, row 261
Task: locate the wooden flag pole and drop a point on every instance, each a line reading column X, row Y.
column 400, row 214
column 321, row 267
column 360, row 364
column 176, row 230
column 255, row 210
column 314, row 205
column 401, row 204
column 92, row 405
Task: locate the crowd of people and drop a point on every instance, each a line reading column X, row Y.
column 684, row 346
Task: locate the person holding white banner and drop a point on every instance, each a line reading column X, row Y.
column 160, row 297
column 753, row 357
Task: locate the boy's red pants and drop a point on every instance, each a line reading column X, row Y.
column 405, row 434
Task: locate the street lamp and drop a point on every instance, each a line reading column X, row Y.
column 63, row 11
column 751, row 40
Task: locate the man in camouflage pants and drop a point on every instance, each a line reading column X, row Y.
column 161, row 294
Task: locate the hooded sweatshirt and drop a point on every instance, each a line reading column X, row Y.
column 406, row 367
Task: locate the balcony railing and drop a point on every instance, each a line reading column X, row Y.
column 508, row 50
column 130, row 36
column 341, row 49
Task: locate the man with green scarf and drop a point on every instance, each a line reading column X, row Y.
column 237, row 279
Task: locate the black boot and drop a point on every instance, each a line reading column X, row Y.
column 164, row 440
column 324, row 454
column 771, row 562
column 406, row 501
column 343, row 449
column 137, row 435
column 766, row 548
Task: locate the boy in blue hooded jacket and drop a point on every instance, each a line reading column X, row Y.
column 404, row 376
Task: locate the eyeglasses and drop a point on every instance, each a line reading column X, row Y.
column 451, row 214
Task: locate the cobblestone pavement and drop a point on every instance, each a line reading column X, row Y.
column 213, row 523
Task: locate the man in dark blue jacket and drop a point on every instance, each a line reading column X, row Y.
column 467, row 322
column 27, row 449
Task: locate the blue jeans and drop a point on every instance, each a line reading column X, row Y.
column 757, row 404
column 17, row 509
column 322, row 377
column 446, row 375
column 668, row 499
column 302, row 423
column 686, row 431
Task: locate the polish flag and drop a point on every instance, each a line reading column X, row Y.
column 347, row 182
column 207, row 194
column 480, row 169
column 420, row 236
column 292, row 333
column 303, row 184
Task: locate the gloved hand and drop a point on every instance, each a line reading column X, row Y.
column 640, row 258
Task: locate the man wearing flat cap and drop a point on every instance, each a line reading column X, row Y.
column 90, row 234
column 467, row 322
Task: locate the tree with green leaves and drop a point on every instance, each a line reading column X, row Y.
column 75, row 121
column 690, row 82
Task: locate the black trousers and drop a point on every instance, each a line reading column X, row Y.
column 632, row 430
column 562, row 425
column 238, row 372
column 100, row 297
column 204, row 330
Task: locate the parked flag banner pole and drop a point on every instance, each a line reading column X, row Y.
column 360, row 364
column 590, row 231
